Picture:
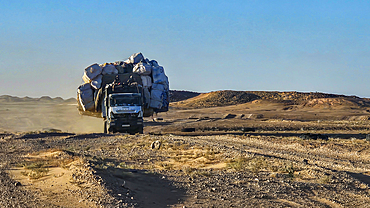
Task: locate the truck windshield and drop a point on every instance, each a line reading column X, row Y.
column 125, row 100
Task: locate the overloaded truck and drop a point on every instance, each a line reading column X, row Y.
column 124, row 92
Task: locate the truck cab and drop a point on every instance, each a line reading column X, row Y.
column 122, row 108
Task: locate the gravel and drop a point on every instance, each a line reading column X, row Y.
column 142, row 170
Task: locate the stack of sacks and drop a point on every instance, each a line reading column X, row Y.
column 155, row 82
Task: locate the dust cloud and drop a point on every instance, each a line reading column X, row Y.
column 37, row 116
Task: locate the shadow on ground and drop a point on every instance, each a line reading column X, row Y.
column 141, row 187
column 361, row 177
column 43, row 135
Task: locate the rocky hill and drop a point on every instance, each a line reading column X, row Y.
column 178, row 95
column 312, row 99
column 43, row 99
column 219, row 98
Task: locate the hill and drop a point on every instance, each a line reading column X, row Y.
column 178, row 95
column 312, row 99
column 43, row 99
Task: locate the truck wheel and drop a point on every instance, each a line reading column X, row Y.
column 141, row 129
column 105, row 127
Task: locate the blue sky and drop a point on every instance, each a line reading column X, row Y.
column 204, row 45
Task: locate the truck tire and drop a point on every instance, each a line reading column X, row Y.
column 141, row 129
column 105, row 127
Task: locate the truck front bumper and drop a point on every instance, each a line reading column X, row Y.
column 121, row 125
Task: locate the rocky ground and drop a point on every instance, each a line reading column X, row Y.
column 186, row 171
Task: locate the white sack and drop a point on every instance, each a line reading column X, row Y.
column 109, row 69
column 147, row 81
column 91, row 72
column 136, row 58
column 157, row 95
column 142, row 68
column 86, row 96
column 159, row 76
column 156, row 99
column 97, row 81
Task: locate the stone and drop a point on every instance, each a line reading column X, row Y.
column 156, row 144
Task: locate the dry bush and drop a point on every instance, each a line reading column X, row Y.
column 239, row 163
column 289, row 169
column 38, row 169
column 188, row 170
column 37, row 165
column 193, row 172
column 326, row 179
column 256, row 164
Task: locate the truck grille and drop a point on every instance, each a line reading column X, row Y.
column 126, row 115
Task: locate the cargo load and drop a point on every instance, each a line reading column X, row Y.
column 150, row 78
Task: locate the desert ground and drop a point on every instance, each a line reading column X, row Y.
column 218, row 149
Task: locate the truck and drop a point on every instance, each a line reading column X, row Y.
column 123, row 105
column 124, row 92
